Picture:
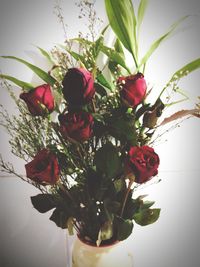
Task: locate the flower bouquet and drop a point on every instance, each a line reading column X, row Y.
column 87, row 133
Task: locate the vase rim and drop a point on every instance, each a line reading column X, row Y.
column 94, row 246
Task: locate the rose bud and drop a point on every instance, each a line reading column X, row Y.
column 44, row 168
column 143, row 162
column 150, row 119
column 133, row 89
column 39, row 100
column 76, row 125
column 151, row 116
column 78, row 86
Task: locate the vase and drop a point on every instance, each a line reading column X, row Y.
column 115, row 255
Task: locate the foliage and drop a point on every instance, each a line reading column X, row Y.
column 95, row 191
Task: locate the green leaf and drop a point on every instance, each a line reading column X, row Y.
column 125, row 228
column 194, row 65
column 111, row 207
column 122, row 19
column 45, row 54
column 98, row 117
column 100, row 89
column 60, row 218
column 107, row 230
column 123, row 128
column 105, row 233
column 187, row 69
column 70, row 225
column 132, row 206
column 115, row 56
column 64, row 47
column 157, row 43
column 94, row 184
column 43, row 202
column 146, row 216
column 102, row 80
column 104, row 29
column 119, row 185
column 118, row 48
column 76, row 56
column 24, row 85
column 141, row 11
column 97, row 47
column 42, row 74
column 108, row 161
column 99, row 42
column 147, row 204
column 135, row 206
column 114, row 207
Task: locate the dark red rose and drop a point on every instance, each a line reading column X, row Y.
column 76, row 125
column 44, row 168
column 132, row 89
column 78, row 86
column 143, row 162
column 39, row 99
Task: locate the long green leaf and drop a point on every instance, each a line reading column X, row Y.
column 186, row 69
column 42, row 74
column 76, row 56
column 102, row 80
column 24, row 85
column 141, row 11
column 114, row 56
column 192, row 66
column 157, row 43
column 45, row 54
column 119, row 49
column 122, row 19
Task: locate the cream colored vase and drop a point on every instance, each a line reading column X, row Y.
column 117, row 255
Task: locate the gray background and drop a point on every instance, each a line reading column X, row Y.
column 28, row 238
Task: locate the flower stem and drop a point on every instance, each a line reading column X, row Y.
column 126, row 196
column 93, row 106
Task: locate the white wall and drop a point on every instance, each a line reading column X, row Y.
column 28, row 238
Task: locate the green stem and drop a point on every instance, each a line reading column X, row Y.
column 162, row 92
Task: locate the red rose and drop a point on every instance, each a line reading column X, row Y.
column 144, row 162
column 78, row 86
column 44, row 168
column 133, row 89
column 77, row 126
column 38, row 99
